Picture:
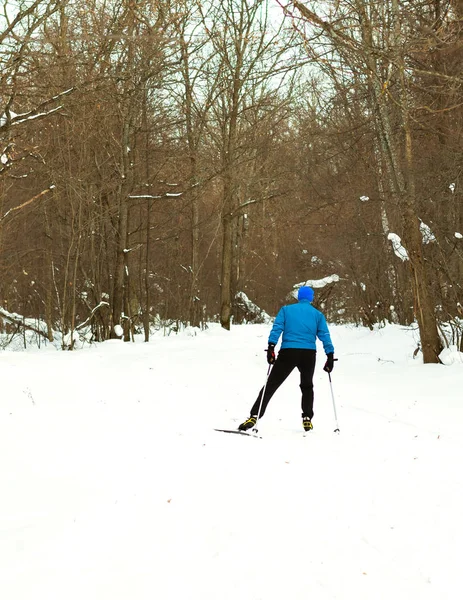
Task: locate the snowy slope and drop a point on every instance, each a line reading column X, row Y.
column 115, row 486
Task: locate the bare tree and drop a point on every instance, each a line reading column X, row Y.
column 252, row 61
column 376, row 41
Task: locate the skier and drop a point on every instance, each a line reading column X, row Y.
column 300, row 325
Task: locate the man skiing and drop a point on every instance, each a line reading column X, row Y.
column 300, row 325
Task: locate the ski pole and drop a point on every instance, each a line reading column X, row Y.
column 334, row 404
column 254, row 429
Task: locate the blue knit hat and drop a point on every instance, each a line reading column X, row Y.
column 305, row 293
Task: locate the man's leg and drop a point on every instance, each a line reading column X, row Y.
column 280, row 371
column 306, row 368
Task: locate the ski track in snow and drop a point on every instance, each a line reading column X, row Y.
column 115, row 486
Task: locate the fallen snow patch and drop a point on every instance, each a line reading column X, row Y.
column 451, row 356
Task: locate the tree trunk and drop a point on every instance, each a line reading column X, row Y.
column 146, row 311
column 191, row 138
column 226, row 278
column 121, row 271
column 424, row 307
column 403, row 184
column 119, row 275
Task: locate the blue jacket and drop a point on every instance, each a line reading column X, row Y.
column 300, row 325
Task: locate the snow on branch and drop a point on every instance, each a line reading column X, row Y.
column 152, row 197
column 426, row 233
column 35, row 325
column 11, row 119
column 252, row 313
column 319, row 283
column 31, row 117
column 87, row 321
column 314, row 283
column 399, row 250
column 49, row 189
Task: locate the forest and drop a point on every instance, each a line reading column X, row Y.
column 189, row 161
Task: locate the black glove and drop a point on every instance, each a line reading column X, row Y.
column 271, row 354
column 329, row 363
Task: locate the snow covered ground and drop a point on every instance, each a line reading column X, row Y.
column 114, row 484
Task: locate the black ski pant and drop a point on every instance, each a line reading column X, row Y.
column 288, row 359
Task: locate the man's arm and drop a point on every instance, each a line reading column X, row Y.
column 324, row 335
column 278, row 327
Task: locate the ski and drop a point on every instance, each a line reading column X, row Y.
column 239, row 432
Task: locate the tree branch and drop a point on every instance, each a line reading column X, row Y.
column 49, row 189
